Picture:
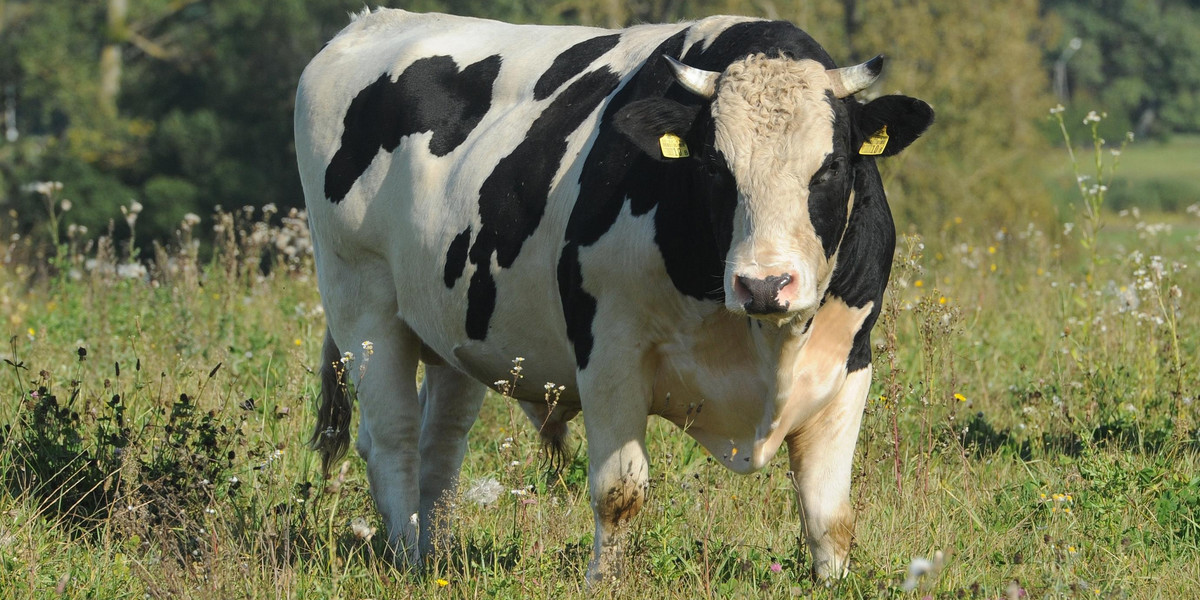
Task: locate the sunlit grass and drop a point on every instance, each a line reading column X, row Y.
column 1020, row 375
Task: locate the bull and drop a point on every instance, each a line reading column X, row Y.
column 680, row 220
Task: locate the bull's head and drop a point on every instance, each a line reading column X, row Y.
column 775, row 133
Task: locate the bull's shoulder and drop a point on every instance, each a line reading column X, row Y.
column 864, row 260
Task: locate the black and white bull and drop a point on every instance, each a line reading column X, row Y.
column 680, row 220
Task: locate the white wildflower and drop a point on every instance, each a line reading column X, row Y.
column 484, row 491
column 917, row 569
column 131, row 271
column 361, row 529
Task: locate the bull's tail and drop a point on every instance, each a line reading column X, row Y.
column 331, row 435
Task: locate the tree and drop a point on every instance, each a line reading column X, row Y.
column 979, row 64
column 1139, row 61
column 179, row 104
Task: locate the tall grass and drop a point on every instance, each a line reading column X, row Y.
column 1033, row 426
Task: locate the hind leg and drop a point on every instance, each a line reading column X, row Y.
column 360, row 307
column 450, row 402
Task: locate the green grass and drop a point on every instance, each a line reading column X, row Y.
column 1028, row 423
column 1176, row 159
column 1154, row 176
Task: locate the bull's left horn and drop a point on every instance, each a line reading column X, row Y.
column 848, row 81
column 697, row 81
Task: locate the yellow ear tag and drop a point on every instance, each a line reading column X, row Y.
column 875, row 144
column 673, row 146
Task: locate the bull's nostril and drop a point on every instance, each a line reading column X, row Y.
column 781, row 281
column 741, row 285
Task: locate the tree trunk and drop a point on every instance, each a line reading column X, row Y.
column 852, row 24
column 614, row 13
column 110, row 56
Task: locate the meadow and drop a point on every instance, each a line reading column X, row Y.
column 1032, row 432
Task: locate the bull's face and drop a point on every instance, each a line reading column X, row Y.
column 778, row 128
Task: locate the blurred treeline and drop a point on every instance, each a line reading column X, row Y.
column 184, row 105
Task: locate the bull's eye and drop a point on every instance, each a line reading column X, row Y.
column 830, row 172
column 712, row 171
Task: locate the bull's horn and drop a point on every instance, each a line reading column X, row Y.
column 697, row 81
column 848, row 81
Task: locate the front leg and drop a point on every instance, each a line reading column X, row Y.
column 616, row 400
column 821, row 452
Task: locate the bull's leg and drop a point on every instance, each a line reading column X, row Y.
column 615, row 407
column 387, row 397
column 450, row 402
column 821, row 454
column 360, row 307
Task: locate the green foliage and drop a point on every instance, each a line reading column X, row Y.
column 1178, row 508
column 203, row 110
column 988, row 93
column 1140, row 60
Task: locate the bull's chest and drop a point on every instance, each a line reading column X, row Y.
column 739, row 388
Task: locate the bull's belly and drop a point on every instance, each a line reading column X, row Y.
column 525, row 346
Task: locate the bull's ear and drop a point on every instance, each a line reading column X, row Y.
column 646, row 121
column 905, row 120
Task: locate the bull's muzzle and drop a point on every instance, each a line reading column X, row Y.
column 763, row 296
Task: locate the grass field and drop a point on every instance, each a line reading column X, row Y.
column 1032, row 432
column 1154, row 176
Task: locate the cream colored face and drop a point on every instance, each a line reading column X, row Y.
column 775, row 126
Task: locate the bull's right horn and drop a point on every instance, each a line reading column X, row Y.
column 848, row 81
column 697, row 81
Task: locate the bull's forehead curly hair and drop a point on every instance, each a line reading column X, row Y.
column 773, row 115
column 775, row 93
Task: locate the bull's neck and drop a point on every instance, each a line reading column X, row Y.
column 779, row 358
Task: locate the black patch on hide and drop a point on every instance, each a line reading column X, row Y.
column 513, row 198
column 431, row 95
column 571, row 62
column 456, row 257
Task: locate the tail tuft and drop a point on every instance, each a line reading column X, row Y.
column 551, row 422
column 331, row 435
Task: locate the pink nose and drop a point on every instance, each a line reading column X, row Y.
column 762, row 296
